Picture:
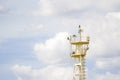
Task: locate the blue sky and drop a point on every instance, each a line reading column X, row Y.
column 33, row 43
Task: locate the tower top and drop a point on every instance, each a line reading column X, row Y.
column 79, row 41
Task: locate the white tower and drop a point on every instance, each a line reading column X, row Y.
column 78, row 47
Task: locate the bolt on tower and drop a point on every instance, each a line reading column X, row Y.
column 78, row 49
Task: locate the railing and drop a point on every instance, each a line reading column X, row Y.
column 77, row 39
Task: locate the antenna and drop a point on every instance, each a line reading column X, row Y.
column 80, row 32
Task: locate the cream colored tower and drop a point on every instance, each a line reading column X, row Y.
column 78, row 47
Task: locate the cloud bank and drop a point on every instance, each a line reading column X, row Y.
column 57, row 7
column 47, row 73
column 53, row 50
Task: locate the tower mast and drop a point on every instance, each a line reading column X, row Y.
column 78, row 49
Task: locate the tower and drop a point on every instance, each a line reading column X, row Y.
column 78, row 49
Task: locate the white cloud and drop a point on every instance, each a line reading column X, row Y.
column 53, row 50
column 114, row 15
column 104, row 33
column 104, row 44
column 106, row 5
column 55, row 7
column 53, row 72
column 48, row 73
column 45, row 8
column 108, row 63
column 107, row 76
